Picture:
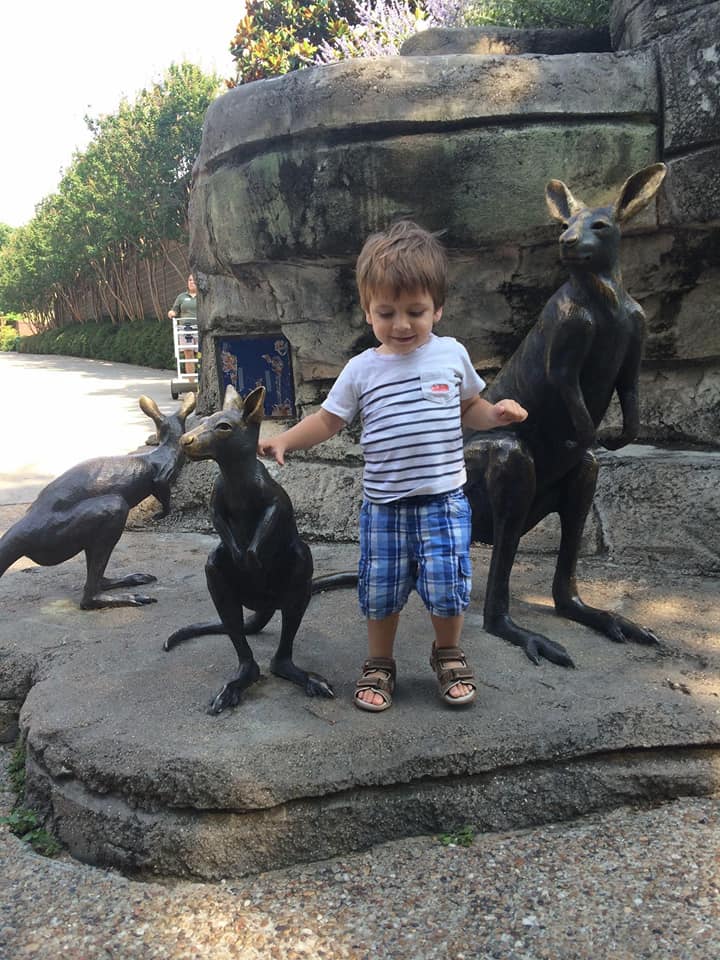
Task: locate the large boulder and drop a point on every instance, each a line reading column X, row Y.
column 294, row 172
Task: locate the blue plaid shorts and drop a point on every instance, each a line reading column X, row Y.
column 421, row 543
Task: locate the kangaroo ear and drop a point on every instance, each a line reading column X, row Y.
column 254, row 407
column 232, row 400
column 638, row 190
column 560, row 202
column 151, row 409
column 186, row 407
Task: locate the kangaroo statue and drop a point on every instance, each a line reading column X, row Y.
column 261, row 562
column 86, row 507
column 586, row 345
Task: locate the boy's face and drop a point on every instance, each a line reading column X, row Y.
column 402, row 322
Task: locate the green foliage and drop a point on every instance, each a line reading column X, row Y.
column 539, row 13
column 26, row 825
column 16, row 769
column 146, row 343
column 277, row 36
column 5, row 234
column 124, row 197
column 8, row 338
column 458, row 838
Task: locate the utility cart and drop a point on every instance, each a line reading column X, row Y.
column 187, row 357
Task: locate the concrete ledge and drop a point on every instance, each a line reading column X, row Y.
column 132, row 773
column 651, row 503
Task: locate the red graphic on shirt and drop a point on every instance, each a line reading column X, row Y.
column 439, row 388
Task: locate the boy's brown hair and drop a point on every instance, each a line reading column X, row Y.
column 404, row 258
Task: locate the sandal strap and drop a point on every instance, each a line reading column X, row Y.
column 448, row 676
column 441, row 655
column 372, row 675
column 379, row 663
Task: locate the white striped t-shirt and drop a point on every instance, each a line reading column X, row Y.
column 409, row 406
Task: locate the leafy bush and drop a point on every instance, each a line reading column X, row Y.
column 8, row 338
column 26, row 825
column 145, row 343
column 278, row 36
column 539, row 13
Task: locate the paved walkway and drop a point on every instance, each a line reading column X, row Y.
column 627, row 885
column 61, row 410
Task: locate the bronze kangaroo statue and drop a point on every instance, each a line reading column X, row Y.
column 261, row 562
column 586, row 344
column 86, row 507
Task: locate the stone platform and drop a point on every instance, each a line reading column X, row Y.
column 134, row 774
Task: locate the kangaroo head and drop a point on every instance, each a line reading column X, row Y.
column 232, row 433
column 168, row 428
column 591, row 235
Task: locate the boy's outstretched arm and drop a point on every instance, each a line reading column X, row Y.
column 311, row 430
column 478, row 414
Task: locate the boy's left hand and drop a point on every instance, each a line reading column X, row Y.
column 509, row 411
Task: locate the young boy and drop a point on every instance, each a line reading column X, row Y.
column 414, row 394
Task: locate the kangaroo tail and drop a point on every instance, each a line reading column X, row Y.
column 333, row 581
column 193, row 630
column 256, row 621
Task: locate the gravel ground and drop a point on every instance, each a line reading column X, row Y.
column 625, row 885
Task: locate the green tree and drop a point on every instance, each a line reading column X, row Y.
column 5, row 234
column 118, row 205
column 277, row 36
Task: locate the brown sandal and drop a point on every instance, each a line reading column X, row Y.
column 378, row 676
column 449, row 676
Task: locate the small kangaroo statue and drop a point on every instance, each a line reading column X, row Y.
column 586, row 344
column 86, row 507
column 261, row 561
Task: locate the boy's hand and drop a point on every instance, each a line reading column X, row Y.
column 272, row 447
column 509, row 411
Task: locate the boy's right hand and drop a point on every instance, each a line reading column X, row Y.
column 272, row 447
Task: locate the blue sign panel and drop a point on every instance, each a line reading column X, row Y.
column 249, row 362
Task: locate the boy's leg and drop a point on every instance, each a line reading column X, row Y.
column 384, row 583
column 442, row 529
column 447, row 634
column 381, row 640
column 381, row 636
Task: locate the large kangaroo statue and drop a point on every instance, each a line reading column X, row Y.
column 586, row 344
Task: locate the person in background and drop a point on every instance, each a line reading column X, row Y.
column 185, row 309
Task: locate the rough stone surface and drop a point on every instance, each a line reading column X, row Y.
column 695, row 194
column 134, row 774
column 634, row 23
column 504, row 40
column 690, row 82
column 371, row 97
